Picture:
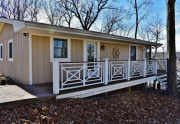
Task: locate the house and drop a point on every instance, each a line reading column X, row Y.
column 34, row 53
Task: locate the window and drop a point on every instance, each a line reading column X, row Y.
column 1, row 52
column 60, row 48
column 133, row 53
column 10, row 50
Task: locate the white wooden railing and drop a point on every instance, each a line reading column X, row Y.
column 69, row 75
column 151, row 67
column 117, row 70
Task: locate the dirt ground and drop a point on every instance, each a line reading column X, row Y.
column 142, row 107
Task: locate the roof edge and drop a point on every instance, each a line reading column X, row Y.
column 17, row 25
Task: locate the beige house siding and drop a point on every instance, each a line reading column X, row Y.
column 140, row 52
column 76, row 50
column 42, row 67
column 18, row 69
column 107, row 53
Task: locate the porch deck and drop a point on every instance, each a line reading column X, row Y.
column 88, row 91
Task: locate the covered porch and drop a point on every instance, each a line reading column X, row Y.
column 112, row 75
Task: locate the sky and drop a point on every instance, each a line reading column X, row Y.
column 159, row 7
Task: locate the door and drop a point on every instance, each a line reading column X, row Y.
column 133, row 53
column 91, row 57
column 91, row 51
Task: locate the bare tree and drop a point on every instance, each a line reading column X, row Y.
column 15, row 9
column 86, row 11
column 34, row 9
column 125, row 29
column 156, row 28
column 53, row 12
column 171, row 50
column 141, row 11
column 145, row 33
column 112, row 20
column 68, row 16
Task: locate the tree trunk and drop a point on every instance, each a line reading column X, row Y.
column 136, row 30
column 171, row 50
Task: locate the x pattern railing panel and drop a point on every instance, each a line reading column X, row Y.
column 136, row 69
column 150, row 67
column 73, row 76
column 117, row 71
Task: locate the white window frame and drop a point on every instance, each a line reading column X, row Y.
column 52, row 59
column 10, row 41
column 1, row 59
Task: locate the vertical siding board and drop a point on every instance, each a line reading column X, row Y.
column 41, row 62
column 107, row 53
column 17, row 69
column 79, row 50
column 42, row 67
column 73, row 50
column 34, row 59
column 47, row 65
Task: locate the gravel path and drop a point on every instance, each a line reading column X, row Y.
column 10, row 93
column 144, row 107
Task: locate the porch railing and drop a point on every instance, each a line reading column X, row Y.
column 69, row 75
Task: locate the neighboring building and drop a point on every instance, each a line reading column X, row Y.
column 30, row 54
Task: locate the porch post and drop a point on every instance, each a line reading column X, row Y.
column 128, row 69
column 145, row 67
column 106, row 71
column 155, row 66
column 56, row 77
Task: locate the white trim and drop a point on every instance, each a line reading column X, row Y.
column 85, row 50
column 129, row 52
column 136, row 52
column 98, row 51
column 144, row 52
column 1, row 59
column 30, row 60
column 10, row 41
column 52, row 59
column 17, row 25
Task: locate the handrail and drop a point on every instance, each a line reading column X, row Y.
column 101, row 61
column 118, row 60
column 80, row 62
column 161, row 59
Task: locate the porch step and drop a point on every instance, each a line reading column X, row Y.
column 163, row 80
column 104, row 89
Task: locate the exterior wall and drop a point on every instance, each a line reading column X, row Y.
column 140, row 52
column 42, row 67
column 76, row 50
column 18, row 69
column 107, row 53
